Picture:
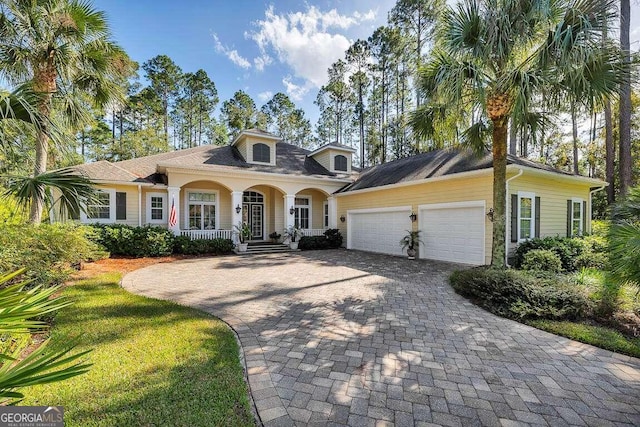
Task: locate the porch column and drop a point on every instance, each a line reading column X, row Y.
column 173, row 201
column 333, row 212
column 289, row 202
column 236, row 217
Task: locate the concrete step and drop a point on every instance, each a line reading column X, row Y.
column 266, row 249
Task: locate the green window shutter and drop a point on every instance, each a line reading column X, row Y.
column 514, row 217
column 584, row 217
column 121, row 206
column 537, row 218
column 569, row 218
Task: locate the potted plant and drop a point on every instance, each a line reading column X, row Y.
column 275, row 237
column 410, row 242
column 243, row 231
column 293, row 233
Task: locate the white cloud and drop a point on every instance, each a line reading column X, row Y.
column 296, row 92
column 262, row 61
column 265, row 96
column 232, row 54
column 308, row 42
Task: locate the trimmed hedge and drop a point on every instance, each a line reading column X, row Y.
column 542, row 259
column 186, row 246
column 517, row 295
column 134, row 241
column 567, row 249
column 47, row 252
column 332, row 239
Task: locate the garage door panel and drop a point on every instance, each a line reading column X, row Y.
column 454, row 234
column 378, row 231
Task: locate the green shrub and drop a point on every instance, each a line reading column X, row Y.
column 515, row 294
column 185, row 245
column 125, row 240
column 334, row 237
column 600, row 228
column 542, row 259
column 567, row 248
column 313, row 242
column 48, row 252
column 596, row 260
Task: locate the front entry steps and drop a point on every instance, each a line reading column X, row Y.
column 265, row 248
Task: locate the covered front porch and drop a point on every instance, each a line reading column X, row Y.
column 207, row 209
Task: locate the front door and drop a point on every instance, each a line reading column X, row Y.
column 253, row 213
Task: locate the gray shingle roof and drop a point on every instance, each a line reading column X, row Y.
column 430, row 165
column 290, row 159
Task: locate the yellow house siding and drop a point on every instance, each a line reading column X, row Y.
column 132, row 202
column 324, row 158
column 242, row 148
column 447, row 191
column 553, row 202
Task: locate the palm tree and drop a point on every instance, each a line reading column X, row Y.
column 59, row 47
column 493, row 59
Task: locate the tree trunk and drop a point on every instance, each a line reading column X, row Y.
column 499, row 140
column 574, row 126
column 45, row 85
column 513, row 138
column 625, row 101
column 361, row 121
column 610, row 150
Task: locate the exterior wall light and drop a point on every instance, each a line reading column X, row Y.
column 292, row 211
column 413, row 217
column 343, row 219
column 238, row 209
column 490, row 214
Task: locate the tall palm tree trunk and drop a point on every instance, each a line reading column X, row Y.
column 625, row 101
column 499, row 150
column 45, row 85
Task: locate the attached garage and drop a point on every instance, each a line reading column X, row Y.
column 453, row 232
column 378, row 230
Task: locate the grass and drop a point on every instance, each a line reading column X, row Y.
column 154, row 362
column 598, row 336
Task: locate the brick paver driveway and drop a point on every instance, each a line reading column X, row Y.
column 338, row 337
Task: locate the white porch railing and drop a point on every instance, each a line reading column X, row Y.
column 314, row 231
column 207, row 234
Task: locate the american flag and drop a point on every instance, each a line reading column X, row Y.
column 173, row 217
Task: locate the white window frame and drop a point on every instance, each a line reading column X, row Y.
column 309, row 206
column 532, row 232
column 150, row 220
column 186, row 206
column 325, row 215
column 581, row 222
column 112, row 209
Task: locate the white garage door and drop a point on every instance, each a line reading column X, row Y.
column 453, row 232
column 378, row 230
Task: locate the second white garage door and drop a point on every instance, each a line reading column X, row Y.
column 378, row 230
column 453, row 232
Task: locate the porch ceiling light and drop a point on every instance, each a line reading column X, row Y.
column 292, row 211
column 238, row 209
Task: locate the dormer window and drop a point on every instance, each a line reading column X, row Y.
column 340, row 163
column 261, row 153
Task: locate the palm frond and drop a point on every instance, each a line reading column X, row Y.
column 476, row 138
column 74, row 191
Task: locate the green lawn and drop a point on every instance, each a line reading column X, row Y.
column 154, row 363
column 598, row 336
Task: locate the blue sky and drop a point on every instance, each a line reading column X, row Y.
column 260, row 47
